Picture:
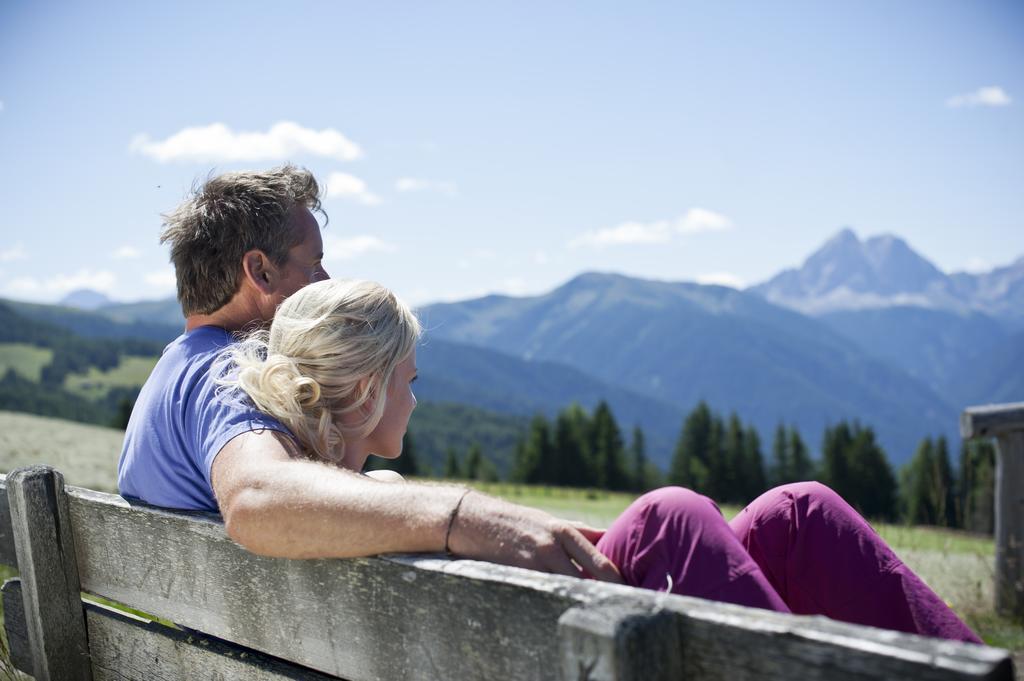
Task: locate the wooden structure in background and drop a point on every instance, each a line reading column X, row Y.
column 1005, row 423
column 388, row 618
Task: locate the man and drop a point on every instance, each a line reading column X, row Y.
column 240, row 245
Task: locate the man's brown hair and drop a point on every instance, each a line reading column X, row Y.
column 226, row 217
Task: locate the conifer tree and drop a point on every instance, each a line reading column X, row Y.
column 580, row 431
column 451, row 464
column 608, row 450
column 474, row 462
column 918, row 485
column 753, row 462
column 638, row 456
column 688, row 468
column 534, row 463
column 834, row 466
column 944, row 493
column 801, row 466
column 738, row 483
column 570, row 466
column 782, row 465
column 516, row 472
column 716, row 484
column 872, row 483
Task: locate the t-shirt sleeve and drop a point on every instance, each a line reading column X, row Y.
column 221, row 418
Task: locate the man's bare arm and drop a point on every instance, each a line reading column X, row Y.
column 276, row 505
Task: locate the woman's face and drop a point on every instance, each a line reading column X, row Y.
column 386, row 438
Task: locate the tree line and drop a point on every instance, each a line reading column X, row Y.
column 723, row 458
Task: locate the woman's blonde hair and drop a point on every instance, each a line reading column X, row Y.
column 330, row 351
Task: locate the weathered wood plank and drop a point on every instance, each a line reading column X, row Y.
column 45, row 545
column 731, row 642
column 414, row 617
column 14, row 626
column 128, row 648
column 8, row 556
column 620, row 640
column 990, row 420
column 1009, row 503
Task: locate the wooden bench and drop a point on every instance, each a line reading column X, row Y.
column 393, row 617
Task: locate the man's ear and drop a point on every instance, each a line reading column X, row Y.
column 259, row 271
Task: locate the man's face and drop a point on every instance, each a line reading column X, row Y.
column 305, row 259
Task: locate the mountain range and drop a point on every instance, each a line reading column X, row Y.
column 681, row 343
column 866, row 330
column 883, row 271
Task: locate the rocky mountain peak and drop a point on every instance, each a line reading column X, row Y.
column 846, row 273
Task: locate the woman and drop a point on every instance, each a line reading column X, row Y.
column 337, row 366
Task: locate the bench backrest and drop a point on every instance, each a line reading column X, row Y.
column 415, row 617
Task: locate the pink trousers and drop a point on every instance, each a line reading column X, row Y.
column 797, row 548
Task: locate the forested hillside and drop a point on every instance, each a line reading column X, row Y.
column 681, row 343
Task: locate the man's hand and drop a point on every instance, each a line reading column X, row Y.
column 490, row 529
column 592, row 534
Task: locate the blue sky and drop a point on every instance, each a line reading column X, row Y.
column 472, row 148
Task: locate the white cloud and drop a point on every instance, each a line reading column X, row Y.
column 350, row 187
column 722, row 279
column 218, row 143
column 699, row 220
column 985, row 96
column 627, row 233
column 126, row 253
column 163, row 280
column 336, row 248
column 415, row 184
column 695, row 221
column 540, row 258
column 12, row 254
column 102, row 281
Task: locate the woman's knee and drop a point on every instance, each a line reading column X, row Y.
column 817, row 493
column 678, row 500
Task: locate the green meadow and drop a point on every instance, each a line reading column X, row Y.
column 26, row 360
column 95, row 384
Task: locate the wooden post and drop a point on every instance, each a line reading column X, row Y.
column 1005, row 422
column 619, row 641
column 49, row 574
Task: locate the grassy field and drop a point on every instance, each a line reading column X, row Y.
column 95, row 384
column 957, row 565
column 86, row 455
column 27, row 360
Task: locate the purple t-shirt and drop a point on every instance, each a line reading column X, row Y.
column 180, row 422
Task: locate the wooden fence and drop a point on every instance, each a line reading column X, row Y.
column 244, row 616
column 1005, row 423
